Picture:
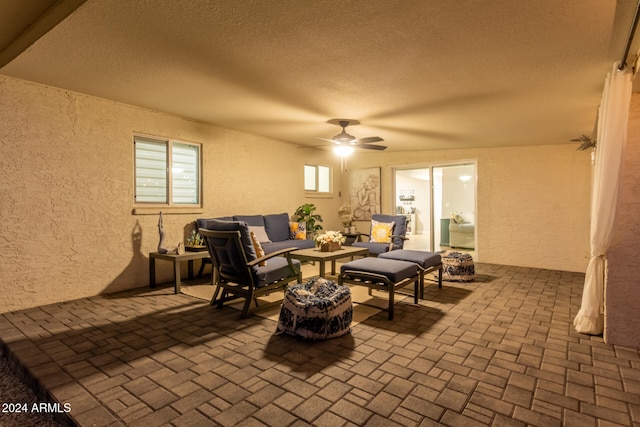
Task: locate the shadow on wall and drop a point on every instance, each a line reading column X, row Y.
column 136, row 273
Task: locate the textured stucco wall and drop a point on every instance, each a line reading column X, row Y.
column 66, row 181
column 622, row 299
column 532, row 202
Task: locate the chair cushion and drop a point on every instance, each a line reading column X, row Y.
column 392, row 269
column 240, row 226
column 202, row 222
column 277, row 226
column 424, row 259
column 374, row 248
column 298, row 244
column 276, row 269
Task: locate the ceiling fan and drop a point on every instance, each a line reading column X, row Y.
column 343, row 138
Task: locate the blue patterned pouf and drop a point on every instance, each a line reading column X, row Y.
column 458, row 267
column 316, row 310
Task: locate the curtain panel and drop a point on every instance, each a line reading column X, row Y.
column 611, row 140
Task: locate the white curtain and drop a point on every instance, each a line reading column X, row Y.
column 611, row 139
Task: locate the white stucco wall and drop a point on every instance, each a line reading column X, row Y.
column 66, row 183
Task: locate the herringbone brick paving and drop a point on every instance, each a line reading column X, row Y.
column 499, row 351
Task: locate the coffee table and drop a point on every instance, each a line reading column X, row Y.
column 321, row 258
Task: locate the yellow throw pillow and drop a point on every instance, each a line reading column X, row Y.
column 258, row 247
column 381, row 231
column 298, row 230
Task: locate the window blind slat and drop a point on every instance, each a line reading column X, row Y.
column 151, row 171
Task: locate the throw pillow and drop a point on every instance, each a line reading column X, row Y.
column 258, row 247
column 456, row 218
column 298, row 230
column 260, row 232
column 381, row 231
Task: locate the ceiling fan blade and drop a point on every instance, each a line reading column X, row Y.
column 373, row 147
column 330, row 140
column 370, row 139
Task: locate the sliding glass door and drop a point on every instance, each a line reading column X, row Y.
column 439, row 202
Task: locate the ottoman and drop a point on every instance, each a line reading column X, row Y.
column 427, row 262
column 458, row 267
column 316, row 310
column 381, row 274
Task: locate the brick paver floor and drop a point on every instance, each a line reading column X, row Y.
column 499, row 351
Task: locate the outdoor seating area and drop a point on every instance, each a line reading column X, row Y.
column 320, row 214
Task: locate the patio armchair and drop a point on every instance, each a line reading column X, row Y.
column 388, row 233
column 238, row 272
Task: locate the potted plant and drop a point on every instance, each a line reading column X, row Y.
column 347, row 218
column 195, row 242
column 306, row 213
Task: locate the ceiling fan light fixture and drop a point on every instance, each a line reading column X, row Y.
column 344, row 138
column 343, row 150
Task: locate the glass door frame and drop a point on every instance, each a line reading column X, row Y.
column 431, row 166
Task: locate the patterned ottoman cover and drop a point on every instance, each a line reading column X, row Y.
column 316, row 310
column 458, row 267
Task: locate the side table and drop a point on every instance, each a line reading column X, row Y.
column 176, row 260
column 351, row 238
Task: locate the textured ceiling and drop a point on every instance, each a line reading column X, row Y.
column 420, row 74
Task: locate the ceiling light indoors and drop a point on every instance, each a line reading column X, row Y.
column 464, row 178
column 343, row 150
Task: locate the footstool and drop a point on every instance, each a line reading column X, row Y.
column 381, row 274
column 458, row 267
column 427, row 262
column 316, row 310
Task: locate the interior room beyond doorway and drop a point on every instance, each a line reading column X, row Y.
column 431, row 197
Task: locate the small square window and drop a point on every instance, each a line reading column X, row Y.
column 167, row 172
column 317, row 180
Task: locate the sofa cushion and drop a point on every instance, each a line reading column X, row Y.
column 253, row 220
column 298, row 244
column 260, row 232
column 277, row 226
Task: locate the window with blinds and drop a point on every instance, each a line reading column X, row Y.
column 167, row 172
